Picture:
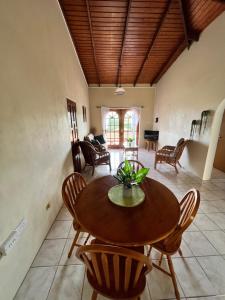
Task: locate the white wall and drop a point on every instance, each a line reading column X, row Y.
column 139, row 96
column 195, row 82
column 39, row 69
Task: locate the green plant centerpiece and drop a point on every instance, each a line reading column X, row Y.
column 128, row 193
column 130, row 140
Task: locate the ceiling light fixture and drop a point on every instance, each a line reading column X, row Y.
column 119, row 91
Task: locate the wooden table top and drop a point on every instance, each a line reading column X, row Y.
column 147, row 223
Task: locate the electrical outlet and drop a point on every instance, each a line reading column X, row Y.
column 21, row 226
column 10, row 242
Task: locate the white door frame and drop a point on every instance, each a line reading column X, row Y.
column 215, row 131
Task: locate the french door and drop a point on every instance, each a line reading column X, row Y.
column 120, row 124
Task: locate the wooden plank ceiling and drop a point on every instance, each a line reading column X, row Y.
column 134, row 41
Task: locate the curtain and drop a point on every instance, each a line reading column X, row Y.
column 135, row 120
column 104, row 111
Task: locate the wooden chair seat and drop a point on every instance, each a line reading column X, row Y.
column 167, row 248
column 139, row 249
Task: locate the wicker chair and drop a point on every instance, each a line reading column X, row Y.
column 90, row 138
column 134, row 163
column 94, row 158
column 171, row 154
column 72, row 186
column 115, row 272
column 170, row 245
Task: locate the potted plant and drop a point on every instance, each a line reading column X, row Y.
column 129, row 178
column 130, row 140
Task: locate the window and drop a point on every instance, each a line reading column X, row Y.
column 130, row 129
column 112, row 128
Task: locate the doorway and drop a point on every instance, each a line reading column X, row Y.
column 215, row 132
column 121, row 124
column 75, row 149
column 219, row 161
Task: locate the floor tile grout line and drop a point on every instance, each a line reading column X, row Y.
column 82, row 290
column 57, row 267
column 211, row 242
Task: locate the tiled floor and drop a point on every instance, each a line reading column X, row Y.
column 200, row 275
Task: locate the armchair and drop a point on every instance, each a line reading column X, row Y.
column 93, row 157
column 91, row 139
column 171, row 154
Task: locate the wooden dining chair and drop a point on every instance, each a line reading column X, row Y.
column 115, row 272
column 134, row 163
column 72, row 186
column 170, row 245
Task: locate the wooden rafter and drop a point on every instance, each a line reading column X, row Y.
column 92, row 41
column 123, row 42
column 153, row 40
column 71, row 35
column 113, row 39
column 175, row 53
column 190, row 36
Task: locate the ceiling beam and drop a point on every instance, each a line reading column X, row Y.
column 173, row 56
column 153, row 40
column 92, row 41
column 189, row 34
column 123, row 42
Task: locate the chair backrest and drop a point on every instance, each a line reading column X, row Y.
column 134, row 163
column 114, row 268
column 188, row 209
column 88, row 151
column 180, row 142
column 180, row 148
column 72, row 186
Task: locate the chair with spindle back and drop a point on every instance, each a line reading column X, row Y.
column 115, row 272
column 171, row 154
column 170, row 245
column 134, row 163
column 72, row 186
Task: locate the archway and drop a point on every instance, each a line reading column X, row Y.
column 215, row 130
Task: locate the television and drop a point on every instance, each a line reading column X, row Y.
column 152, row 135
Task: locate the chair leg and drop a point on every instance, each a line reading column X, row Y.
column 180, row 252
column 110, row 167
column 179, row 164
column 74, row 243
column 155, row 162
column 93, row 169
column 149, row 251
column 176, row 169
column 170, row 264
column 160, row 261
column 94, row 295
column 85, row 242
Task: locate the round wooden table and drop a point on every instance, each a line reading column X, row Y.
column 151, row 221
